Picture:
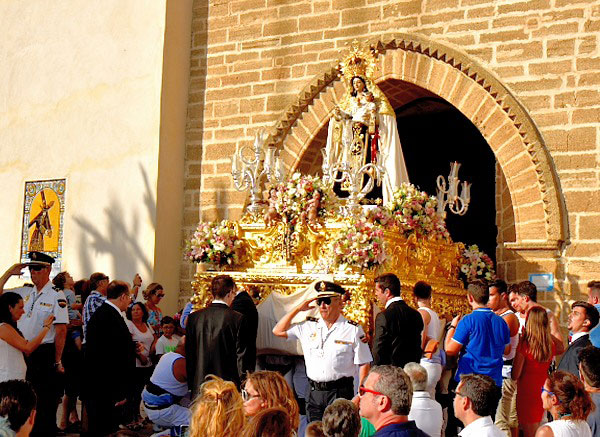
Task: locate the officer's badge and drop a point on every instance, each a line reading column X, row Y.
column 62, row 303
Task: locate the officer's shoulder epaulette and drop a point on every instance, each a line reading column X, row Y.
column 352, row 322
column 28, row 285
column 312, row 319
column 56, row 288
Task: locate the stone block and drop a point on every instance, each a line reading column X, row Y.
column 485, row 11
column 576, row 162
column 502, row 36
column 557, row 48
column 279, row 102
column 319, row 22
column 519, row 52
column 401, row 9
column 360, row 15
column 550, row 68
column 282, row 27
column 582, row 201
column 589, row 229
column 436, row 5
column 245, row 5
column 585, row 116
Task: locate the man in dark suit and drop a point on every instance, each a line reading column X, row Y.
column 244, row 305
column 583, row 318
column 109, row 361
column 397, row 328
column 216, row 338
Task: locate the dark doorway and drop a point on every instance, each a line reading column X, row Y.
column 434, row 133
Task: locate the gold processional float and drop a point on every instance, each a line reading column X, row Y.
column 305, row 229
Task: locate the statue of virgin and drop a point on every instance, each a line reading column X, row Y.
column 363, row 127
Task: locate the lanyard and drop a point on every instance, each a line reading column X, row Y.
column 38, row 294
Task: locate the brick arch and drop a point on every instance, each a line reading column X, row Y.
column 414, row 66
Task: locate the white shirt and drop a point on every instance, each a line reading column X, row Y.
column 577, row 336
column 427, row 413
column 392, row 300
column 219, row 301
column 331, row 354
column 482, row 427
column 38, row 306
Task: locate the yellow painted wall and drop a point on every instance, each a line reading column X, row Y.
column 80, row 99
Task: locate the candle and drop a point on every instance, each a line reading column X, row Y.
column 234, row 163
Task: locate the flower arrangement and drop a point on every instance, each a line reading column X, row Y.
column 475, row 264
column 300, row 195
column 361, row 245
column 216, row 243
column 414, row 211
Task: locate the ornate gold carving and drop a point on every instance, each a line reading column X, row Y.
column 285, row 264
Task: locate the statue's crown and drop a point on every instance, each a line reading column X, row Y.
column 360, row 61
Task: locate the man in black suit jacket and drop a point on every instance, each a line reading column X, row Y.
column 216, row 339
column 583, row 318
column 397, row 328
column 109, row 361
column 244, row 305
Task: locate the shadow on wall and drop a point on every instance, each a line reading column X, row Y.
column 120, row 239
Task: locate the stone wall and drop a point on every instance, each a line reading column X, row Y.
column 252, row 58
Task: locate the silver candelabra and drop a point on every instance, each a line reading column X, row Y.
column 249, row 173
column 339, row 169
column 447, row 193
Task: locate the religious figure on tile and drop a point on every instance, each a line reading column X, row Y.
column 363, row 127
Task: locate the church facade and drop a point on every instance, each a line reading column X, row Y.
column 525, row 73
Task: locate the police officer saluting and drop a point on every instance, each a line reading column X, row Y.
column 332, row 347
column 40, row 301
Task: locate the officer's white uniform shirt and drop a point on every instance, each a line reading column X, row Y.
column 331, row 354
column 38, row 306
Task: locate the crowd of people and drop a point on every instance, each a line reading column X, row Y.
column 492, row 372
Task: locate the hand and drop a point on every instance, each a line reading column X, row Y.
column 60, row 368
column 140, row 348
column 16, row 269
column 49, row 320
column 306, row 306
column 137, row 280
column 455, row 320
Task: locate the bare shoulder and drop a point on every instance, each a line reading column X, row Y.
column 544, row 431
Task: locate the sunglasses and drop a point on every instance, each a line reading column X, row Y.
column 161, row 295
column 551, row 393
column 247, row 396
column 456, row 392
column 362, row 390
column 324, row 300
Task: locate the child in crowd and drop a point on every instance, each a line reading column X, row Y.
column 168, row 341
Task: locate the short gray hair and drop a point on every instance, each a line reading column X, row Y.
column 395, row 384
column 417, row 375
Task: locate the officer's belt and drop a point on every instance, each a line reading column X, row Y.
column 508, row 362
column 332, row 385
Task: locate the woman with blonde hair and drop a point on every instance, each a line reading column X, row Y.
column 564, row 396
column 153, row 295
column 218, row 410
column 535, row 352
column 266, row 389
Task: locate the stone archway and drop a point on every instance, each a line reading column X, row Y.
column 435, row 69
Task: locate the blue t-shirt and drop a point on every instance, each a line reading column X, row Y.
column 484, row 335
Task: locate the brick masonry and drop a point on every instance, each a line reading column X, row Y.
column 252, row 58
